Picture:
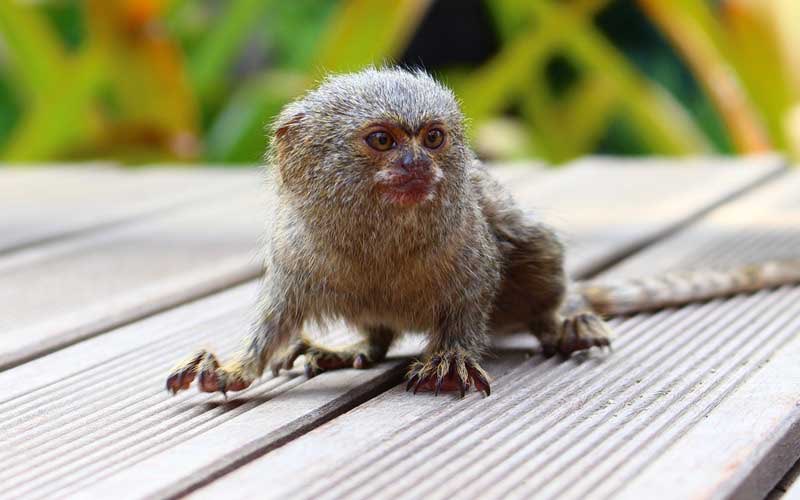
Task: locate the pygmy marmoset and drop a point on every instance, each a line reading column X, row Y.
column 386, row 219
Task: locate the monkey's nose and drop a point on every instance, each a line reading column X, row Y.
column 407, row 160
column 413, row 164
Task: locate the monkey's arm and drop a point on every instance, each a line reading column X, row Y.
column 279, row 320
column 679, row 288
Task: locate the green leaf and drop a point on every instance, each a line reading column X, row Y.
column 663, row 124
column 210, row 64
column 238, row 132
column 367, row 32
column 704, row 46
column 35, row 52
column 57, row 121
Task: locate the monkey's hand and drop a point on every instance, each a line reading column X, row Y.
column 448, row 371
column 578, row 333
column 211, row 377
column 319, row 359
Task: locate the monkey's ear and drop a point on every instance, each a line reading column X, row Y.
column 285, row 126
column 287, row 130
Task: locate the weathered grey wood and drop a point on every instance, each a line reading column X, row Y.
column 700, row 402
column 510, row 172
column 178, row 467
column 84, row 412
column 73, row 426
column 57, row 293
column 753, row 437
column 617, row 206
column 42, row 203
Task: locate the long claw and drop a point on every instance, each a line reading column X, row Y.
column 204, row 366
column 460, row 372
column 481, row 383
column 183, row 375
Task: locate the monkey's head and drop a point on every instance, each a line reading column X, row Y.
column 386, row 136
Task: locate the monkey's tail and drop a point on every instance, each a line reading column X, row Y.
column 679, row 288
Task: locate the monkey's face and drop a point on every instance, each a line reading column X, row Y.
column 406, row 170
column 389, row 137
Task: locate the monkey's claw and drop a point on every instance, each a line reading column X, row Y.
column 182, row 375
column 579, row 333
column 210, row 376
column 447, row 372
column 319, row 359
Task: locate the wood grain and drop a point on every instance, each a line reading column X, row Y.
column 183, row 464
column 699, row 402
column 58, row 293
column 40, row 204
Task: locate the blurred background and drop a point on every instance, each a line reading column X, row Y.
column 196, row 81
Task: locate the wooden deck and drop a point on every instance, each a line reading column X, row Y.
column 108, row 276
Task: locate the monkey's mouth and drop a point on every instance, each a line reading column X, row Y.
column 408, row 190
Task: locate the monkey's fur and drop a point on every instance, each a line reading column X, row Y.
column 411, row 238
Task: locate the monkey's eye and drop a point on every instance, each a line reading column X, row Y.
column 380, row 141
column 434, row 138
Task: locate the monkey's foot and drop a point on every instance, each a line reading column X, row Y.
column 448, row 372
column 578, row 333
column 319, row 359
column 211, row 377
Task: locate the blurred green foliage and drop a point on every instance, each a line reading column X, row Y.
column 191, row 80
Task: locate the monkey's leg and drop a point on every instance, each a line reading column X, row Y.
column 451, row 361
column 535, row 288
column 577, row 332
column 362, row 354
column 237, row 374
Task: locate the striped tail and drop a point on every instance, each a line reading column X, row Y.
column 678, row 288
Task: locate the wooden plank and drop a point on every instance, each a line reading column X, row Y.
column 752, row 418
column 74, row 424
column 90, row 409
column 41, row 204
column 698, row 402
column 58, row 293
column 618, row 206
column 181, row 465
column 510, row 172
